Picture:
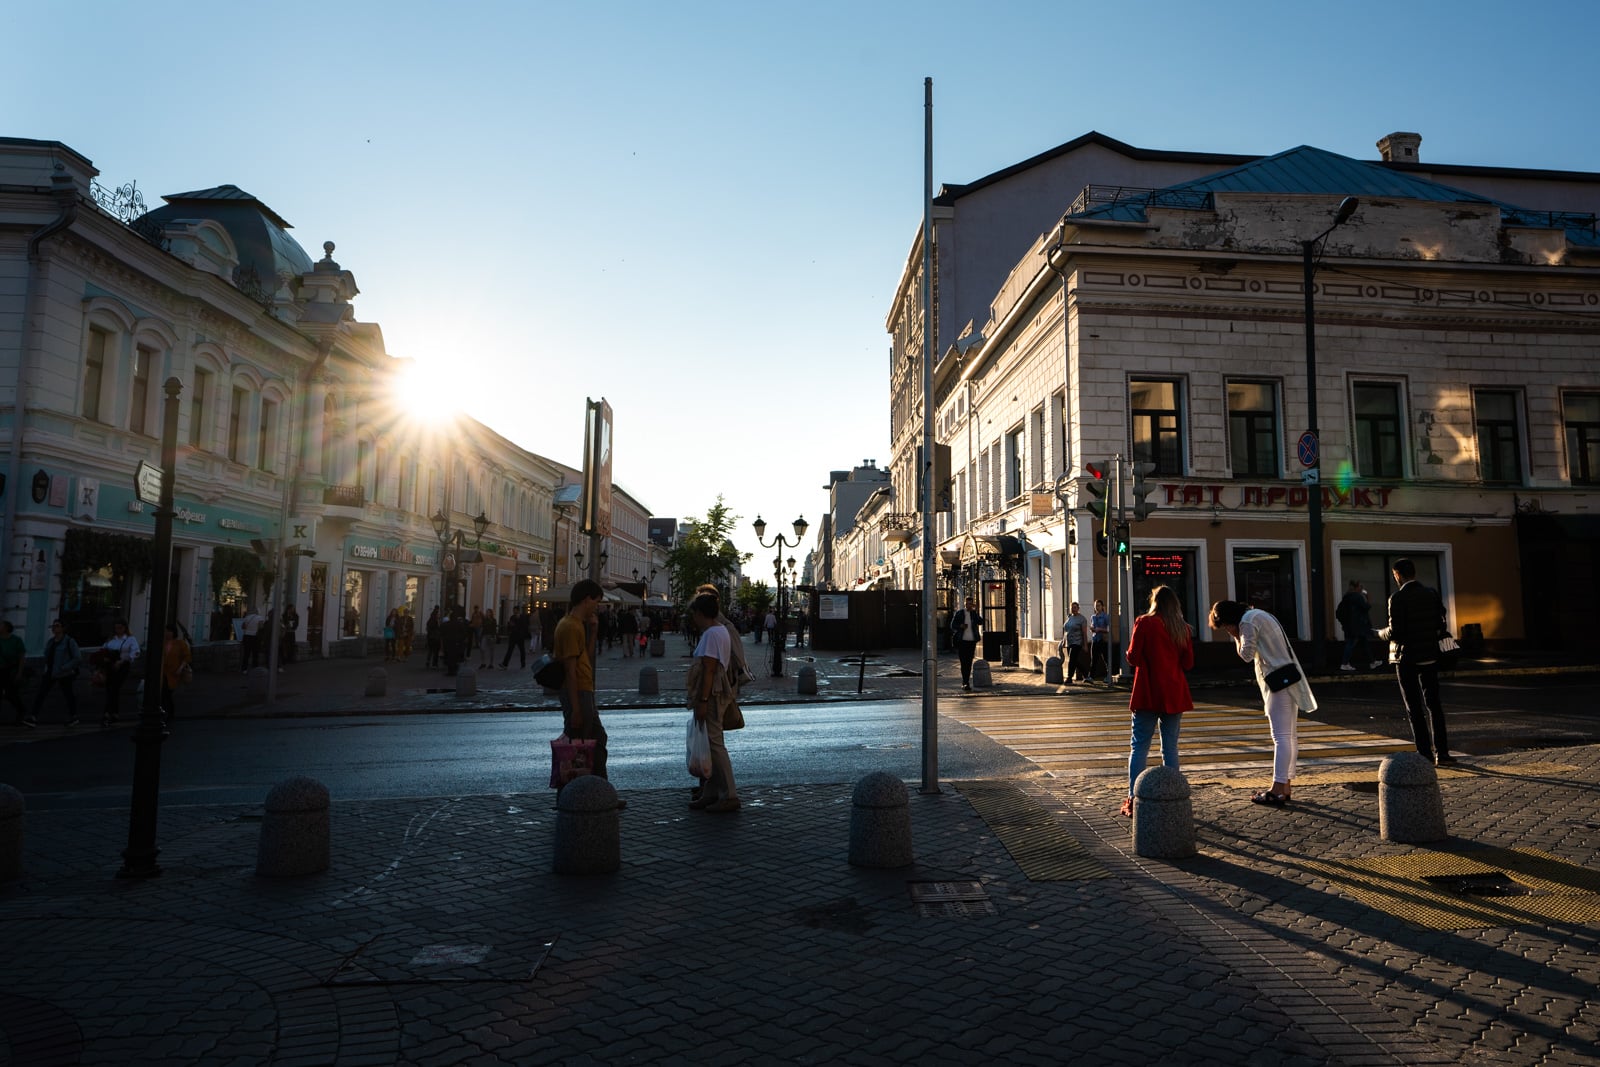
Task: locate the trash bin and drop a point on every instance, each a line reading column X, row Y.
column 1472, row 640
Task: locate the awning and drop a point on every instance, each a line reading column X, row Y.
column 623, row 598
column 561, row 595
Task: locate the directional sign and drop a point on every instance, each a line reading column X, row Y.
column 1311, row 476
column 147, row 483
column 1307, row 449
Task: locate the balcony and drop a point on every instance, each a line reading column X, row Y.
column 344, row 501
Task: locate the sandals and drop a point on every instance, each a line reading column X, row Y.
column 1269, row 798
column 1127, row 808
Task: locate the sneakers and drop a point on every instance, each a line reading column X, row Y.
column 72, row 723
column 28, row 722
column 1346, row 667
column 1378, row 664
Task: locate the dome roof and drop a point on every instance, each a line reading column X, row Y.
column 259, row 233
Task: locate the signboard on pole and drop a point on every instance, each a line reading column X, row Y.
column 147, row 482
column 595, row 506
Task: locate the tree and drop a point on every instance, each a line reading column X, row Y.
column 705, row 554
column 754, row 597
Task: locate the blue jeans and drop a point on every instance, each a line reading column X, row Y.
column 1144, row 728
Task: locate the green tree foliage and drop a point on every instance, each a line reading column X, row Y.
column 754, row 597
column 705, row 554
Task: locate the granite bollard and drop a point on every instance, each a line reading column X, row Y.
column 981, row 677
column 466, row 681
column 880, row 822
column 1052, row 671
column 649, row 684
column 1163, row 814
column 588, row 837
column 295, row 830
column 1410, row 809
column 12, row 819
column 377, row 682
column 807, row 680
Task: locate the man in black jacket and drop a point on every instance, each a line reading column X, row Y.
column 966, row 630
column 1416, row 622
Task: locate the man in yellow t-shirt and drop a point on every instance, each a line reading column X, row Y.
column 573, row 646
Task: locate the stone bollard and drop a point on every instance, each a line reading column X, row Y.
column 880, row 822
column 377, row 682
column 1410, row 809
column 649, row 684
column 466, row 681
column 807, row 680
column 658, row 647
column 1052, row 671
column 981, row 678
column 255, row 685
column 1163, row 816
column 588, row 839
column 12, row 807
column 294, row 831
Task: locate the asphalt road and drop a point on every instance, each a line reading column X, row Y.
column 224, row 762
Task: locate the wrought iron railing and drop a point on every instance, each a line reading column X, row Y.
column 1110, row 195
column 345, row 496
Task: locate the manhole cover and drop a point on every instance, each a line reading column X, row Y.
column 1486, row 884
column 927, row 892
column 954, row 909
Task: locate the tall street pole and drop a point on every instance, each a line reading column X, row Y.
column 139, row 858
column 930, row 660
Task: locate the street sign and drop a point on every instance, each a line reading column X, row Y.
column 147, row 482
column 1311, row 476
column 1307, row 449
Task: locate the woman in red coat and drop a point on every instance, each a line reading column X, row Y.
column 1161, row 650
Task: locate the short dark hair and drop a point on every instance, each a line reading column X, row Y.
column 1227, row 613
column 1404, row 567
column 585, row 589
column 706, row 605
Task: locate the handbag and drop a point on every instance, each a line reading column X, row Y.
column 549, row 671
column 1449, row 651
column 570, row 759
column 732, row 717
column 1280, row 678
column 185, row 674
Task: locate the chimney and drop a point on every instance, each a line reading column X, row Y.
column 1401, row 148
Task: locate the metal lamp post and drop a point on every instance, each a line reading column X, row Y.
column 450, row 562
column 779, row 638
column 1313, row 474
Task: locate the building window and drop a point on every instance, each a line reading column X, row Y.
column 1499, row 436
column 1581, row 412
column 236, row 425
column 1253, row 429
column 94, row 372
column 982, row 504
column 1036, row 447
column 264, row 443
column 1377, row 407
column 139, row 402
column 1058, row 433
column 197, row 407
column 1013, row 461
column 363, row 458
column 1157, row 425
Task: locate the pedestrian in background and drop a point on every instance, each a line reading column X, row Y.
column 13, row 655
column 966, row 630
column 516, row 640
column 177, row 669
column 1075, row 645
column 290, row 650
column 249, row 640
column 1416, row 624
column 1161, row 652
column 1261, row 641
column 431, row 637
column 391, row 635
column 487, row 631
column 1100, row 643
column 63, row 660
column 119, row 652
column 1355, row 617
column 407, row 624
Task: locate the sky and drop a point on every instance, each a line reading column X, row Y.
column 700, row 210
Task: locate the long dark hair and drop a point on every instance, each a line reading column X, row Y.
column 1165, row 605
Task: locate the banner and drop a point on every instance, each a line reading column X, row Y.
column 595, row 507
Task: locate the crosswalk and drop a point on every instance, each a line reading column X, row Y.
column 1087, row 732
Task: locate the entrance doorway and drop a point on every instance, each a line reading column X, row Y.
column 1264, row 578
column 316, row 608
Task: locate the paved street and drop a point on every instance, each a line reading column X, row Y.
column 441, row 937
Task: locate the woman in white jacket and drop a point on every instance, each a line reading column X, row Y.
column 1285, row 692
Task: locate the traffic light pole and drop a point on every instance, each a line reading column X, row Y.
column 1124, row 579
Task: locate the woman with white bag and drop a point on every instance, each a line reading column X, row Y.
column 1284, row 689
column 711, row 698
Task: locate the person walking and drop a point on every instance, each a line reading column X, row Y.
column 486, row 638
column 288, row 650
column 391, row 635
column 1075, row 645
column 1285, row 692
column 13, row 654
column 454, row 633
column 118, row 654
column 249, row 640
column 431, row 637
column 627, row 632
column 1355, row 617
column 573, row 646
column 516, row 640
column 710, row 693
column 177, row 668
column 1161, row 652
column 1416, row 623
column 966, row 630
column 63, row 660
column 1100, row 643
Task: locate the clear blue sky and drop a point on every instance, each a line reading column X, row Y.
column 700, row 210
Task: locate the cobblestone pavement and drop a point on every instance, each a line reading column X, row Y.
column 440, row 935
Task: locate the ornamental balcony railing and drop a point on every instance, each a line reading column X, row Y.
column 345, row 496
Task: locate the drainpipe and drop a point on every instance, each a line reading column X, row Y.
column 1066, row 408
column 65, row 193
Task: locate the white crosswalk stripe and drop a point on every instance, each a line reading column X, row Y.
column 1088, row 732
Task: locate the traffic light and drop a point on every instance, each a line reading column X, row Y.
column 1100, row 543
column 1095, row 486
column 1142, row 506
column 1122, row 539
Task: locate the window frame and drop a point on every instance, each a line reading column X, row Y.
column 1358, row 443
column 1579, row 471
column 1517, row 428
column 1011, row 455
column 1177, row 431
column 1273, row 468
column 92, row 403
column 238, row 406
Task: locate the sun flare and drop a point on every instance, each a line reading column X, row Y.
column 428, row 392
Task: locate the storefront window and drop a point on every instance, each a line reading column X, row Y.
column 1264, row 578
column 1167, row 566
column 353, row 603
column 1372, row 570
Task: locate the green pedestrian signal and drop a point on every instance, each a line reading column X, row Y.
column 1122, row 540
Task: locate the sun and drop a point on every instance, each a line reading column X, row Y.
column 427, row 392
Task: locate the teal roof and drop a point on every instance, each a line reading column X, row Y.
column 1308, row 171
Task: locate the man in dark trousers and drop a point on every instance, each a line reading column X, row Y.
column 966, row 630
column 1416, row 622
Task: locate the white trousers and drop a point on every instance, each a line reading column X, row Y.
column 1283, row 715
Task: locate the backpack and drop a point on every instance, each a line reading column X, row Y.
column 1342, row 612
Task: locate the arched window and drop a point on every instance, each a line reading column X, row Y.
column 330, row 413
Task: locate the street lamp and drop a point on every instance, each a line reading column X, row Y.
column 1313, row 475
column 779, row 638
column 450, row 562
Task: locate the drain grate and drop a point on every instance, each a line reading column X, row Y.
column 950, row 900
column 1033, row 836
column 1480, row 884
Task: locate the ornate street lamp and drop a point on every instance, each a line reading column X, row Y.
column 780, row 637
column 450, row 562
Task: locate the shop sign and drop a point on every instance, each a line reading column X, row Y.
column 1273, row 496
